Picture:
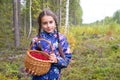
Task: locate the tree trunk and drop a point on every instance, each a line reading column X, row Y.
column 60, row 12
column 67, row 16
column 57, row 9
column 25, row 24
column 19, row 18
column 30, row 19
column 16, row 23
column 25, row 18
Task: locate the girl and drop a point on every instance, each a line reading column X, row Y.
column 48, row 29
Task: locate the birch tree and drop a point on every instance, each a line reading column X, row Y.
column 30, row 13
column 67, row 16
column 60, row 12
column 24, row 15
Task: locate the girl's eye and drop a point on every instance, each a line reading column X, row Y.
column 44, row 23
column 51, row 22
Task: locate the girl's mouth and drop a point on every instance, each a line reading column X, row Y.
column 49, row 30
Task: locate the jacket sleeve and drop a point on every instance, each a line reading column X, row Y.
column 63, row 63
column 34, row 46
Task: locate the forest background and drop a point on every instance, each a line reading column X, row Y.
column 95, row 46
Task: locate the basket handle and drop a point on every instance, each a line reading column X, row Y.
column 44, row 53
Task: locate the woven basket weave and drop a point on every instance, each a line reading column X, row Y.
column 37, row 66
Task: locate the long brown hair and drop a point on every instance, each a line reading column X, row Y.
column 50, row 13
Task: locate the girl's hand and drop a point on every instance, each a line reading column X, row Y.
column 29, row 72
column 53, row 58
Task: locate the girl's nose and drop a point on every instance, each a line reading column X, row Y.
column 48, row 24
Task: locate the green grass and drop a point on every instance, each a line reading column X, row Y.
column 96, row 55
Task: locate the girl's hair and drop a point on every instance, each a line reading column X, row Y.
column 50, row 13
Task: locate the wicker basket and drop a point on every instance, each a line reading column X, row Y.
column 37, row 66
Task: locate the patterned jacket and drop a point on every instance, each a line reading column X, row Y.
column 55, row 70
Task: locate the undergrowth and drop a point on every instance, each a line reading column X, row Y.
column 95, row 52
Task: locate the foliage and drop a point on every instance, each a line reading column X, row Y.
column 6, row 13
column 6, row 37
column 95, row 46
column 95, row 55
column 116, row 16
column 75, row 12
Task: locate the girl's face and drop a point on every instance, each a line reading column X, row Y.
column 48, row 24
